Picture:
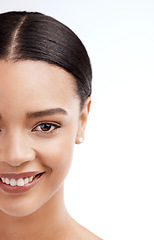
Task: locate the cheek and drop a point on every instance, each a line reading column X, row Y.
column 56, row 158
column 56, row 153
column 59, row 155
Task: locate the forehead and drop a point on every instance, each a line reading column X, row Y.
column 35, row 84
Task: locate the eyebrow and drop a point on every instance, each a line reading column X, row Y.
column 47, row 112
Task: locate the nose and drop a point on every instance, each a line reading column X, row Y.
column 16, row 150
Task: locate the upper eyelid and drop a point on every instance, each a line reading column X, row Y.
column 48, row 122
column 57, row 125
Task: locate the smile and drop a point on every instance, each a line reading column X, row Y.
column 18, row 183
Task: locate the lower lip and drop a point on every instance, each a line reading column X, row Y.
column 16, row 189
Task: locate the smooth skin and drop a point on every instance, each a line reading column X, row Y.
column 27, row 87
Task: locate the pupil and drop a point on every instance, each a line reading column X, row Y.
column 45, row 126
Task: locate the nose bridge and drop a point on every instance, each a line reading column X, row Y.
column 17, row 149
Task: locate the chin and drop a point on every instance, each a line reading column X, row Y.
column 17, row 212
column 19, row 208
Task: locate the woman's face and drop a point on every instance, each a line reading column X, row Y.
column 40, row 121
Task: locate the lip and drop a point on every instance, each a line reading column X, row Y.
column 19, row 175
column 20, row 189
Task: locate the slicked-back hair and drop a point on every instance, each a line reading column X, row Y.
column 35, row 36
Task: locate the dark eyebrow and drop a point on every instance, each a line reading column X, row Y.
column 47, row 112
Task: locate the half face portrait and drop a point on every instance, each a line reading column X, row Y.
column 45, row 98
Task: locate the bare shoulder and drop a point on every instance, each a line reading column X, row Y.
column 88, row 235
column 82, row 233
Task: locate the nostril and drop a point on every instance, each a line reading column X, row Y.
column 16, row 157
column 16, row 148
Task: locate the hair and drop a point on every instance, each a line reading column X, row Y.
column 35, row 36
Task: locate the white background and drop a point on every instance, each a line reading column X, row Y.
column 110, row 186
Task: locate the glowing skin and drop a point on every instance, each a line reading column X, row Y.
column 33, row 93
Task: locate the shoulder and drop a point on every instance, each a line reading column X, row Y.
column 88, row 235
column 83, row 233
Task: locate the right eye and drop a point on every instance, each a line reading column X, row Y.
column 46, row 127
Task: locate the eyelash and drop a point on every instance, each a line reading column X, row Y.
column 51, row 126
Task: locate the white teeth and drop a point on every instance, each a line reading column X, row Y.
column 26, row 180
column 31, row 179
column 20, row 182
column 2, row 179
column 7, row 181
column 13, row 182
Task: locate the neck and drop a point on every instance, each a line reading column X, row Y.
column 49, row 222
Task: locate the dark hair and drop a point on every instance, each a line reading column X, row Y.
column 35, row 36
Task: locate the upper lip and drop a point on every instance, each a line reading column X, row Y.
column 19, row 175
